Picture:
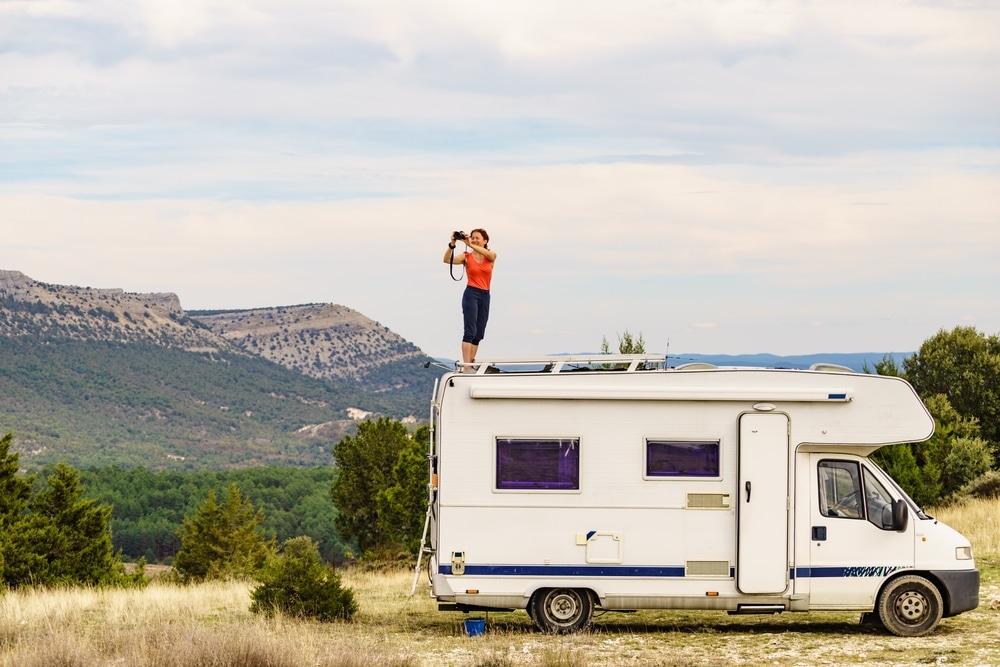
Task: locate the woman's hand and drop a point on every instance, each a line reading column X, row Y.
column 452, row 257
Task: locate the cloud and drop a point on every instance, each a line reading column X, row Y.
column 789, row 172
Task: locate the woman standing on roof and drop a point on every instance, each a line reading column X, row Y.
column 478, row 260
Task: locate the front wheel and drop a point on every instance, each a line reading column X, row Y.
column 561, row 610
column 910, row 606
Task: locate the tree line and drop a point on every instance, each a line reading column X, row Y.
column 149, row 506
column 957, row 374
column 372, row 504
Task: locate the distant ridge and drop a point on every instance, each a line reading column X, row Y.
column 856, row 361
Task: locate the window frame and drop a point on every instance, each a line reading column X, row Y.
column 499, row 441
column 865, row 477
column 653, row 440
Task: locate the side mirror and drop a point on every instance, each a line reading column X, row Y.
column 900, row 516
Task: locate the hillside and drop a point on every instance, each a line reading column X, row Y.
column 324, row 341
column 102, row 376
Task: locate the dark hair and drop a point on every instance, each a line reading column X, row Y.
column 486, row 237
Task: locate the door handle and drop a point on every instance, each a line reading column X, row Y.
column 747, row 487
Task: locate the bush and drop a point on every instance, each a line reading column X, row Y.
column 298, row 583
column 967, row 460
column 985, row 486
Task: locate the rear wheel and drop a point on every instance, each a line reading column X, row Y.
column 910, row 606
column 561, row 610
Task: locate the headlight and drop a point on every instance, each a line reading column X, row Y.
column 963, row 553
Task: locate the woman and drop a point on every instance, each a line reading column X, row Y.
column 478, row 260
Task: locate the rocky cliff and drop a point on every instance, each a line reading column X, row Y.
column 320, row 340
column 325, row 341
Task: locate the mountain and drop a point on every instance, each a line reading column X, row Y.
column 102, row 376
column 324, row 341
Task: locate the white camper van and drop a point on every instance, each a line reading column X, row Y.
column 563, row 484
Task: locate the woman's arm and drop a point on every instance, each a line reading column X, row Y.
column 449, row 254
column 485, row 252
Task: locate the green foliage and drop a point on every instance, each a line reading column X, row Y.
column 901, row 464
column 966, row 461
column 627, row 344
column 964, row 366
column 938, row 467
column 298, row 583
column 222, row 541
column 402, row 506
column 957, row 374
column 885, row 366
column 91, row 403
column 986, row 485
column 376, row 509
column 15, row 492
column 58, row 537
column 149, row 507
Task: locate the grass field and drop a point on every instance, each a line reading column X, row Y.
column 209, row 625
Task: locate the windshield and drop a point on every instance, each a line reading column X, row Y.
column 917, row 509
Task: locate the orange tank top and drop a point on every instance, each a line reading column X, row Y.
column 479, row 274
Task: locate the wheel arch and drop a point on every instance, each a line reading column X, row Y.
column 926, row 574
column 595, row 597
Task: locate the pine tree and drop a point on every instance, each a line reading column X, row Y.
column 63, row 539
column 15, row 491
column 223, row 541
column 365, row 466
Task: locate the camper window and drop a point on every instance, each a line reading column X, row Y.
column 840, row 489
column 878, row 502
column 551, row 464
column 682, row 458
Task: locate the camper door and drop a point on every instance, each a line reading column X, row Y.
column 762, row 544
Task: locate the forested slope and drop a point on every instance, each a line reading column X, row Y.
column 99, row 377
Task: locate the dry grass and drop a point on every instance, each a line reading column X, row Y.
column 210, row 625
column 978, row 519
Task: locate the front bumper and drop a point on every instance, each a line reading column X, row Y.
column 961, row 590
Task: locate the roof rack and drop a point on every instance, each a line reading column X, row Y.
column 628, row 363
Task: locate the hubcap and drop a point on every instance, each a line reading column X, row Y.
column 563, row 607
column 911, row 607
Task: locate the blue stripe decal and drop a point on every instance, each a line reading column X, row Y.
column 567, row 571
column 851, row 572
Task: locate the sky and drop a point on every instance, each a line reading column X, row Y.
column 723, row 177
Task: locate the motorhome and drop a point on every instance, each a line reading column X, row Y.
column 560, row 485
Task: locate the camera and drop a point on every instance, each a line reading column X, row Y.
column 457, row 236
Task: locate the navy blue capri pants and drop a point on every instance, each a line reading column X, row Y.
column 475, row 312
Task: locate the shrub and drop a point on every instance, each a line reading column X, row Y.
column 985, row 486
column 298, row 583
column 967, row 460
column 222, row 541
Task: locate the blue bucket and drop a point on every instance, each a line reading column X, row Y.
column 475, row 626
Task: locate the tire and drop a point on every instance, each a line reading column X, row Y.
column 561, row 611
column 910, row 606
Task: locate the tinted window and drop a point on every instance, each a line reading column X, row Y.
column 680, row 458
column 552, row 464
column 840, row 489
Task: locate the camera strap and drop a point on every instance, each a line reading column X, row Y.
column 451, row 267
